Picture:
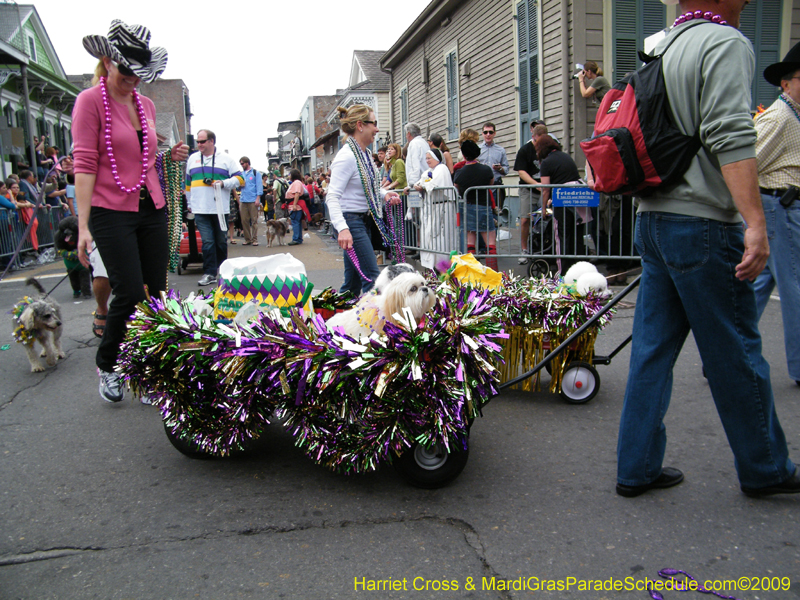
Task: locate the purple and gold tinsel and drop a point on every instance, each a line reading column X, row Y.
column 539, row 314
column 350, row 406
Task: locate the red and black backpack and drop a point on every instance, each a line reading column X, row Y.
column 636, row 147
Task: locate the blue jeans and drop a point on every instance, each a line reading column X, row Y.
column 783, row 269
column 297, row 225
column 689, row 283
column 215, row 242
column 362, row 244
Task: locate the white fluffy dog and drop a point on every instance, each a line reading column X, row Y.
column 373, row 311
column 584, row 276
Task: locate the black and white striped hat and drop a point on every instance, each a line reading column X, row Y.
column 130, row 46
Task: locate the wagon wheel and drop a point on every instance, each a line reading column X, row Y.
column 190, row 448
column 538, row 267
column 431, row 468
column 580, row 383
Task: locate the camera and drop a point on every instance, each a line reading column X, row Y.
column 208, row 180
column 580, row 70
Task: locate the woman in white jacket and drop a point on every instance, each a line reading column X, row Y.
column 438, row 232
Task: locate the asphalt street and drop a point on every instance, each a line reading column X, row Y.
column 96, row 503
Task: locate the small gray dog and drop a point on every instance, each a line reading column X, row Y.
column 38, row 319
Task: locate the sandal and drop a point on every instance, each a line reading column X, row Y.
column 98, row 330
column 254, row 244
column 233, row 242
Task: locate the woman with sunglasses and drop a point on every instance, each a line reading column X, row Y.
column 120, row 203
column 354, row 197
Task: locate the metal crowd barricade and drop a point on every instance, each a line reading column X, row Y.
column 552, row 238
column 12, row 230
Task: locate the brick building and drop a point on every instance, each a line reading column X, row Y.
column 313, row 125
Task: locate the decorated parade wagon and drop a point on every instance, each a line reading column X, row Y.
column 407, row 397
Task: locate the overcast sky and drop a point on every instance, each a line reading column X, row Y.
column 248, row 65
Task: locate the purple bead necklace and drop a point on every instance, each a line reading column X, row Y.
column 110, row 149
column 351, row 252
column 699, row 14
column 682, row 585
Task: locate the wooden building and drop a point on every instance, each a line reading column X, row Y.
column 464, row 62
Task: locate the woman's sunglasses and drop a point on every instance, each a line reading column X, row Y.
column 123, row 69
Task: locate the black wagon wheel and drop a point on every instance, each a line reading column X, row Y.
column 432, row 467
column 188, row 447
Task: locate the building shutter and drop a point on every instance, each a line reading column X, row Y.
column 761, row 23
column 528, row 61
column 403, row 111
column 634, row 20
column 451, row 76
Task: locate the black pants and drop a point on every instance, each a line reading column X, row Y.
column 135, row 250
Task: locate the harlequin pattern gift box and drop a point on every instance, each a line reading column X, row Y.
column 278, row 280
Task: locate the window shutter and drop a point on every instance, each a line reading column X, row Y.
column 524, row 74
column 634, row 20
column 528, row 62
column 625, row 41
column 654, row 15
column 533, row 57
column 761, row 24
column 451, row 77
column 403, row 110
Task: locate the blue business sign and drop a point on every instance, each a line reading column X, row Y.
column 569, row 196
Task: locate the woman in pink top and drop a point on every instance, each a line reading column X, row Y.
column 120, row 203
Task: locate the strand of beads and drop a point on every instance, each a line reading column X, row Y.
column 169, row 176
column 699, row 14
column 351, row 252
column 394, row 217
column 110, row 149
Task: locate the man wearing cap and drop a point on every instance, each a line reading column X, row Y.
column 527, row 167
column 699, row 263
column 778, row 154
column 208, row 171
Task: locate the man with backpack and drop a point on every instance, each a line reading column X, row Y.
column 699, row 262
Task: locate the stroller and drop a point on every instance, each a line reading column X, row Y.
column 540, row 242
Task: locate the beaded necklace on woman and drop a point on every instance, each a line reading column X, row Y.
column 369, row 181
column 109, row 148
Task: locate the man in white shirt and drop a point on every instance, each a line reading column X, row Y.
column 206, row 172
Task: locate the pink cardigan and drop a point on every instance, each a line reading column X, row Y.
column 88, row 133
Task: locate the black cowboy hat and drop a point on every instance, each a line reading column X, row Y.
column 789, row 64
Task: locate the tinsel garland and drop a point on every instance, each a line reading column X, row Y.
column 349, row 406
column 539, row 314
column 169, row 176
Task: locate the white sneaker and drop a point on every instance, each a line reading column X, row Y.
column 111, row 389
column 207, row 279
